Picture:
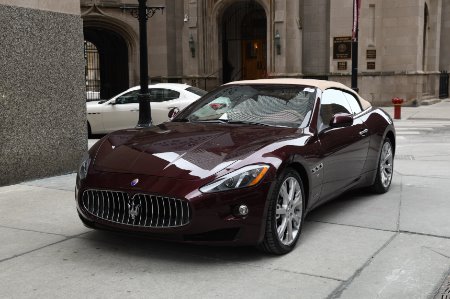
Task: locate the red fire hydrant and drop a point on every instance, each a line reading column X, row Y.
column 397, row 107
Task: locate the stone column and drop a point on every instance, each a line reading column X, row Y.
column 287, row 61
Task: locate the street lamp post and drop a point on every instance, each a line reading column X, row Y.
column 355, row 29
column 143, row 13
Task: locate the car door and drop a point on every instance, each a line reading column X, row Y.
column 344, row 148
column 162, row 100
column 121, row 112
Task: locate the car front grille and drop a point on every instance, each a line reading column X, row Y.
column 141, row 210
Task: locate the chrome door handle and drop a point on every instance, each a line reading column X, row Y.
column 363, row 132
column 135, row 110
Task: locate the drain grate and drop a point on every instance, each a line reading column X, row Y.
column 404, row 157
column 444, row 291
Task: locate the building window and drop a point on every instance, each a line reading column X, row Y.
column 372, row 25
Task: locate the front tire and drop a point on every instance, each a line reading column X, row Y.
column 285, row 214
column 385, row 169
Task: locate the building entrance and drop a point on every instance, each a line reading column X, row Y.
column 244, row 42
column 106, row 55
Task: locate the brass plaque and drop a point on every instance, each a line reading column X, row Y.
column 371, row 54
column 342, row 47
column 342, row 65
column 370, row 65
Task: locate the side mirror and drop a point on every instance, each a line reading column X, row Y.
column 340, row 120
column 173, row 112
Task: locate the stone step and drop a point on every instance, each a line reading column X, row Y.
column 431, row 101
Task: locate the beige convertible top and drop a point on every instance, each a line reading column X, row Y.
column 321, row 84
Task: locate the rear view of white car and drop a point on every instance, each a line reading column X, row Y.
column 122, row 111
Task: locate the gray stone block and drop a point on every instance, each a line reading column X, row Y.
column 42, row 102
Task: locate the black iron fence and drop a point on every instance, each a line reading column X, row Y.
column 443, row 85
column 92, row 71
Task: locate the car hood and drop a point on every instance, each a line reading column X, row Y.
column 183, row 150
column 92, row 103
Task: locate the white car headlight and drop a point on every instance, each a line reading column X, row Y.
column 84, row 167
column 241, row 178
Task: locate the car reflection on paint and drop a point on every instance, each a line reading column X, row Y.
column 241, row 166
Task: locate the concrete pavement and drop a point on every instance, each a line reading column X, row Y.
column 395, row 245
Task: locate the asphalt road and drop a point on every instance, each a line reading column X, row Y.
column 395, row 245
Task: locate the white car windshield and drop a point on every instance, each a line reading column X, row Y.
column 274, row 105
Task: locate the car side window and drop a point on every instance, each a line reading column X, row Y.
column 354, row 103
column 128, row 98
column 162, row 94
column 333, row 101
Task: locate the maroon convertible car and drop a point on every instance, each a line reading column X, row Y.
column 242, row 165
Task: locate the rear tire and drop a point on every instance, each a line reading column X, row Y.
column 385, row 168
column 285, row 214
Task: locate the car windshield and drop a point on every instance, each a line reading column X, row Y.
column 260, row 104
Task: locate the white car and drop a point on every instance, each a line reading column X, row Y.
column 122, row 111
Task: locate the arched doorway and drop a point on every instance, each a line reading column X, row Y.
column 112, row 61
column 244, row 41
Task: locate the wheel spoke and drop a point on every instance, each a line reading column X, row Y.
column 297, row 200
column 281, row 229
column 290, row 235
column 284, row 194
column 296, row 219
column 292, row 188
column 281, row 211
column 387, row 158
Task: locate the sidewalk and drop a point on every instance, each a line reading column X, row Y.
column 395, row 245
column 438, row 111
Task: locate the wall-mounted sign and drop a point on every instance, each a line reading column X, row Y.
column 342, row 47
column 342, row 65
column 371, row 54
column 370, row 65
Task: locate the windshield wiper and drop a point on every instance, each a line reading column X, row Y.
column 181, row 120
column 246, row 122
column 211, row 121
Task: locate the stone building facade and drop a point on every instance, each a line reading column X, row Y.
column 42, row 98
column 403, row 44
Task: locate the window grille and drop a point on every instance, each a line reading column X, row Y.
column 92, row 71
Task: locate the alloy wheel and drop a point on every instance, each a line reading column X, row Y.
column 386, row 164
column 289, row 211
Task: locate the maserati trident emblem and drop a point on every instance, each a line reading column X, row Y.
column 134, row 182
column 133, row 210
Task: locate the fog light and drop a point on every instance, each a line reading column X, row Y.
column 243, row 210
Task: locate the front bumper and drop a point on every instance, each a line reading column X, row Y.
column 213, row 217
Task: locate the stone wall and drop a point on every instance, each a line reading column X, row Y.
column 42, row 102
column 381, row 88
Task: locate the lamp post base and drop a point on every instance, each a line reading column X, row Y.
column 145, row 118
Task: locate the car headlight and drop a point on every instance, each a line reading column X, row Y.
column 84, row 167
column 241, row 178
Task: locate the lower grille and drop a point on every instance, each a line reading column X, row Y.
column 141, row 210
